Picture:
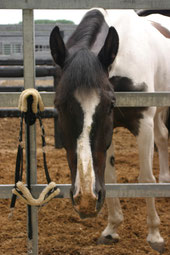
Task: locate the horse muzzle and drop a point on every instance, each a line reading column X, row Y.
column 87, row 205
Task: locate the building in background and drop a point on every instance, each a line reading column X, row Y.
column 11, row 42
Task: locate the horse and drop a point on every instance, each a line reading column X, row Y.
column 108, row 52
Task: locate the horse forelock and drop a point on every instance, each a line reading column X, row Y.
column 82, row 67
column 82, row 70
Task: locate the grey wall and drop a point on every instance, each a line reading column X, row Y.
column 11, row 42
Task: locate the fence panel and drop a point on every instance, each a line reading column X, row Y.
column 123, row 99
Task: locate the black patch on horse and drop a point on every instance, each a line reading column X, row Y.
column 102, row 125
column 72, row 116
column 128, row 117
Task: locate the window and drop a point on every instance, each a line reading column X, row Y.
column 16, row 48
column 7, row 49
column 39, row 47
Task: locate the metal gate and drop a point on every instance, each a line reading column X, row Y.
column 123, row 99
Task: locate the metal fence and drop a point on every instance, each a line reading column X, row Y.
column 123, row 99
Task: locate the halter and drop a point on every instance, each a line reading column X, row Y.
column 30, row 104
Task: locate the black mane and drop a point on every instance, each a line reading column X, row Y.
column 87, row 31
column 82, row 70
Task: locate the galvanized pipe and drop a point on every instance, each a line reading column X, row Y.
column 29, row 82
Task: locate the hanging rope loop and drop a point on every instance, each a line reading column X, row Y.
column 46, row 195
column 37, row 103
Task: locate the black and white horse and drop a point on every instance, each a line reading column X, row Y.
column 108, row 52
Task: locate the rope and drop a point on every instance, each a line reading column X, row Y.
column 19, row 163
column 36, row 103
column 43, row 148
column 30, row 102
column 46, row 195
column 30, row 119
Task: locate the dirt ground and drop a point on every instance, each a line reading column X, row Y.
column 61, row 231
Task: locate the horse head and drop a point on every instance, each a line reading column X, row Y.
column 85, row 100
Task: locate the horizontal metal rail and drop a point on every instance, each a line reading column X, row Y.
column 18, row 71
column 123, row 99
column 15, row 113
column 124, row 190
column 21, row 88
column 84, row 4
column 142, row 99
column 19, row 62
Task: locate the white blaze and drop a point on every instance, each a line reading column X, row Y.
column 85, row 179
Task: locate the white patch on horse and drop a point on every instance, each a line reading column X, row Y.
column 85, row 179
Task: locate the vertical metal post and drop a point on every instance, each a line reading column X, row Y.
column 29, row 82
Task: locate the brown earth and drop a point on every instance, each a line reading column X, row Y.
column 61, row 231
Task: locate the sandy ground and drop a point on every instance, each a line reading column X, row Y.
column 61, row 231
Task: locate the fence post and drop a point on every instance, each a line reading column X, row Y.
column 29, row 82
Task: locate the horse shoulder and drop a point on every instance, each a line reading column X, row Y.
column 142, row 55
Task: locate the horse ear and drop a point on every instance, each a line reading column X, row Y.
column 57, row 46
column 110, row 48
